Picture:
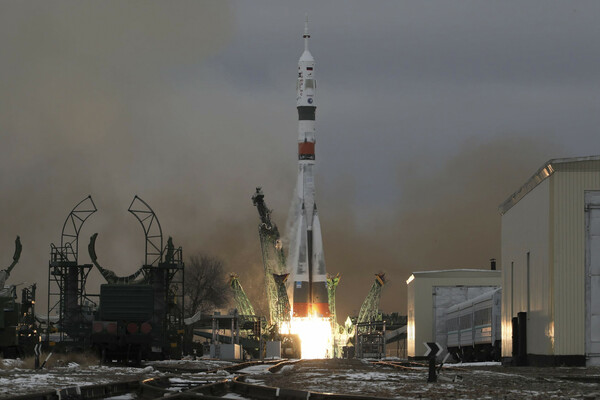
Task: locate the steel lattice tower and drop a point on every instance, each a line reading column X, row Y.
column 240, row 298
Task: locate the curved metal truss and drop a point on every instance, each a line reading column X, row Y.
column 69, row 240
column 152, row 230
column 67, row 296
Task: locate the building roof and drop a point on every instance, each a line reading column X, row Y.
column 474, row 300
column 453, row 273
column 543, row 173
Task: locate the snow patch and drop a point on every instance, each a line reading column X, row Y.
column 478, row 364
column 256, row 369
column 12, row 363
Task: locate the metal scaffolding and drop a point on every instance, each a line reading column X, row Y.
column 273, row 261
column 242, row 302
column 67, row 296
column 369, row 311
column 163, row 271
column 283, row 309
column 152, row 230
column 332, row 283
column 370, row 340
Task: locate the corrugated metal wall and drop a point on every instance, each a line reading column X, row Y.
column 568, row 186
column 410, row 323
column 526, row 236
column 556, row 300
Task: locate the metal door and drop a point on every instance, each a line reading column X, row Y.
column 592, row 277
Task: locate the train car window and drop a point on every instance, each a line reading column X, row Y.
column 452, row 324
column 465, row 322
column 483, row 317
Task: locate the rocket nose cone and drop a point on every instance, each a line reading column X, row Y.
column 306, row 57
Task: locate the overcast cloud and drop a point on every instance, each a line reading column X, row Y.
column 429, row 115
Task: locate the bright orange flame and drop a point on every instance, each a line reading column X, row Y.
column 315, row 336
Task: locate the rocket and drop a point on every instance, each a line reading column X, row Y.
column 306, row 256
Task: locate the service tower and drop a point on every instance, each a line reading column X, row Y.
column 306, row 245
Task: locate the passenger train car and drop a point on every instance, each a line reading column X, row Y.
column 473, row 328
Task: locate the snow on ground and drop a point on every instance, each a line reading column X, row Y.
column 476, row 364
column 128, row 396
column 474, row 381
column 478, row 381
column 199, row 361
column 202, row 377
column 197, row 365
column 234, row 396
column 20, row 381
column 11, row 363
column 256, row 369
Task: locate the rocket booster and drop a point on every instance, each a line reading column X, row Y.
column 306, row 252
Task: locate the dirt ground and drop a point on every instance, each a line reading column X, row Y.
column 473, row 382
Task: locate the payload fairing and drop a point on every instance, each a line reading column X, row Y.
column 307, row 260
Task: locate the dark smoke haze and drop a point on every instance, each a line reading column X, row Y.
column 429, row 116
column 447, row 218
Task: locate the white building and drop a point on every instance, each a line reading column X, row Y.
column 551, row 263
column 430, row 293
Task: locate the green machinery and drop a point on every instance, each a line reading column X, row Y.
column 18, row 328
column 242, row 302
column 273, row 262
column 369, row 330
column 369, row 311
column 332, row 283
column 283, row 309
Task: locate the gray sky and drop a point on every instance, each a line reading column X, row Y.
column 429, row 115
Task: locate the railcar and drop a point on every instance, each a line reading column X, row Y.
column 473, row 328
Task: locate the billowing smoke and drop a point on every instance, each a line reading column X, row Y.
column 445, row 218
column 115, row 99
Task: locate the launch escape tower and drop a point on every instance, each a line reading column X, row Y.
column 273, row 262
column 67, row 296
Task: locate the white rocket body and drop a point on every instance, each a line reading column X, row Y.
column 306, row 256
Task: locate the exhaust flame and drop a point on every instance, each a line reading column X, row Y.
column 315, row 336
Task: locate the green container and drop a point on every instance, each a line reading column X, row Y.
column 133, row 303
